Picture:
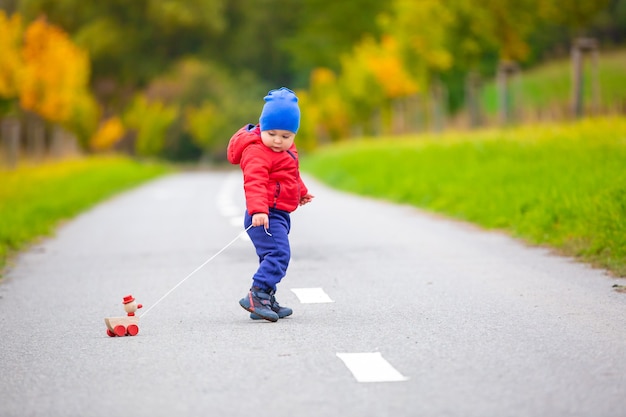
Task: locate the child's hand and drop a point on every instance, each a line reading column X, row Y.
column 306, row 199
column 261, row 219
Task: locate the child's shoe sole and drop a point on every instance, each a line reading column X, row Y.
column 281, row 315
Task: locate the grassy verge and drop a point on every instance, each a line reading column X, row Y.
column 34, row 199
column 558, row 185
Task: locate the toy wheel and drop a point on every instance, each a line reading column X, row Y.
column 110, row 333
column 119, row 330
column 132, row 330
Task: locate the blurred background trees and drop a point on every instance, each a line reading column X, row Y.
column 175, row 78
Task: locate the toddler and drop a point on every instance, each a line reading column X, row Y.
column 273, row 189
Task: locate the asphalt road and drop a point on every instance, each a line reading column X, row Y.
column 448, row 320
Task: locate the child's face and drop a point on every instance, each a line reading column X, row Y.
column 278, row 140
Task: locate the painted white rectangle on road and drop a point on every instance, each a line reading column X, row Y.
column 370, row 367
column 311, row 295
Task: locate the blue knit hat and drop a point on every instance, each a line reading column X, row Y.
column 280, row 111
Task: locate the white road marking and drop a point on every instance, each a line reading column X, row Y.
column 311, row 295
column 225, row 197
column 370, row 367
column 228, row 210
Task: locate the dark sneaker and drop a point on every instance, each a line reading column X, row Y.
column 259, row 303
column 277, row 308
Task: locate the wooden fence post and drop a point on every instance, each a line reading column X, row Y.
column 581, row 46
column 10, row 133
column 35, row 137
column 439, row 108
column 398, row 122
column 472, row 99
column 506, row 70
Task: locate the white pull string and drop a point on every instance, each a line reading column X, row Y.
column 194, row 271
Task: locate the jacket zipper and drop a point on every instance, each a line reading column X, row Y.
column 298, row 170
column 277, row 191
column 276, row 194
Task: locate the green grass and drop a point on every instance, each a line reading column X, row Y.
column 557, row 185
column 549, row 85
column 34, row 199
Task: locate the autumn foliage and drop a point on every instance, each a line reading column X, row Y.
column 10, row 58
column 199, row 69
column 42, row 71
column 108, row 134
column 56, row 72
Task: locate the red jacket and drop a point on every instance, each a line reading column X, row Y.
column 270, row 179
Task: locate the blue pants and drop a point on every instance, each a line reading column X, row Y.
column 273, row 251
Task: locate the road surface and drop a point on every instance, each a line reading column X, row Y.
column 396, row 313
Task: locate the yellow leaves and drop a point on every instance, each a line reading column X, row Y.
column 322, row 77
column 151, row 121
column 385, row 62
column 378, row 63
column 325, row 105
column 10, row 57
column 56, row 72
column 513, row 47
column 413, row 46
column 506, row 24
column 110, row 132
column 422, row 31
column 43, row 71
column 359, row 82
column 440, row 59
column 201, row 122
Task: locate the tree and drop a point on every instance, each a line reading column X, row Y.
column 505, row 26
column 380, row 54
column 54, row 80
column 109, row 133
column 256, row 39
column 150, row 120
column 423, row 46
column 11, row 61
column 362, row 91
column 383, row 63
column 131, row 42
column 575, row 15
column 326, row 107
column 424, row 50
column 203, row 124
column 214, row 103
column 326, row 30
column 56, row 73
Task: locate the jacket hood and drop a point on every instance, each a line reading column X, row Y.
column 244, row 137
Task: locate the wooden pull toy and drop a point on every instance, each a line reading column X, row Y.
column 124, row 326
